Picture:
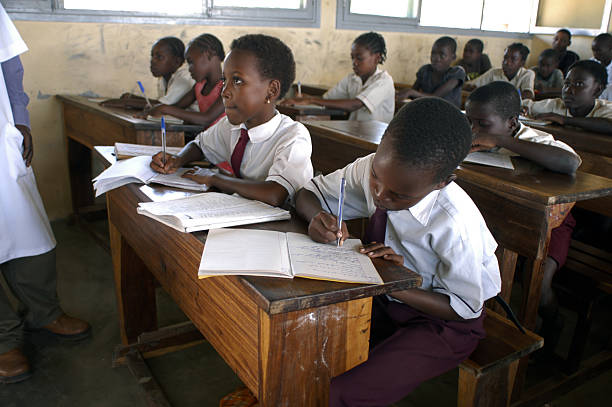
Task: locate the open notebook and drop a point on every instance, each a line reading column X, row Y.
column 210, row 210
column 277, row 254
column 138, row 170
column 127, row 150
column 490, row 158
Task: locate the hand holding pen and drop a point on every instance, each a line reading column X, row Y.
column 149, row 105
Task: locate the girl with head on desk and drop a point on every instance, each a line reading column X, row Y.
column 269, row 153
column 368, row 92
column 174, row 80
column 203, row 55
column 578, row 105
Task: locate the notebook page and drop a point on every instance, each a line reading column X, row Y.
column 245, row 251
column 176, row 180
column 490, row 158
column 134, row 150
column 328, row 262
column 123, row 172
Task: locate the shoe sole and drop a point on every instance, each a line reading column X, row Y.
column 16, row 379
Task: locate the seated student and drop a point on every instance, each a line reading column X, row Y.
column 204, row 55
column 493, row 110
column 368, row 93
column 579, row 105
column 512, row 71
column 438, row 78
column 602, row 52
column 474, row 62
column 421, row 219
column 548, row 79
column 269, row 152
column 174, row 80
column 562, row 40
column 607, row 93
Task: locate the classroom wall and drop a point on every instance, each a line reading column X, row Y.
column 107, row 59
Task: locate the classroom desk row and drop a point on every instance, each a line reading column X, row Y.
column 280, row 336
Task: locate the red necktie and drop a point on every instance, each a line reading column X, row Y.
column 377, row 226
column 239, row 152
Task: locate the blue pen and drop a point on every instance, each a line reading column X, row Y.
column 144, row 94
column 340, row 205
column 163, row 134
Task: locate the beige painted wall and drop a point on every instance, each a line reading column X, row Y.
column 107, row 59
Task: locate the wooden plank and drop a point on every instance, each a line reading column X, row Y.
column 154, row 395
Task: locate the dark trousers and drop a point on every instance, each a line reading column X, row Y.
column 416, row 347
column 33, row 280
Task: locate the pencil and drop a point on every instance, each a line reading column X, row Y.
column 340, row 205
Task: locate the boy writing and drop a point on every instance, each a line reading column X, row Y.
column 421, row 219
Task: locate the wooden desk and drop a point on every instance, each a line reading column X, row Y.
column 285, row 339
column 301, row 113
column 87, row 124
column 312, row 90
column 520, row 206
column 581, row 140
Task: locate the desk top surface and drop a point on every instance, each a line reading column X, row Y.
column 123, row 116
column 304, row 110
column 274, row 295
column 527, row 180
column 581, row 140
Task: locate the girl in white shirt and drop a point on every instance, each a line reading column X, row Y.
column 268, row 152
column 368, row 92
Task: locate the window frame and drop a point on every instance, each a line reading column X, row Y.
column 52, row 10
column 589, row 32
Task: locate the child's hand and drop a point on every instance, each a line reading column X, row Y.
column 28, row 149
column 170, row 166
column 200, row 175
column 374, row 250
column 406, row 94
column 323, row 228
column 553, row 117
column 484, row 142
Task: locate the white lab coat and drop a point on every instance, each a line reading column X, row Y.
column 24, row 226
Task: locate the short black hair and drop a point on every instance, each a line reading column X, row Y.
column 606, row 38
column 597, row 70
column 522, row 48
column 374, row 42
column 565, row 31
column 208, row 43
column 430, row 133
column 447, row 42
column 274, row 58
column 550, row 53
column 503, row 97
column 476, row 43
column 175, row 45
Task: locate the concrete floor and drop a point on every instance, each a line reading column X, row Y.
column 81, row 374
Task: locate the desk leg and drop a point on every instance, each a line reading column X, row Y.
column 79, row 170
column 301, row 351
column 135, row 288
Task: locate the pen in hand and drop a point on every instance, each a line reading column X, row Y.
column 340, row 205
column 163, row 136
column 144, row 94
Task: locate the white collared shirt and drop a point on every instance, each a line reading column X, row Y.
column 601, row 108
column 608, row 69
column 523, row 80
column 377, row 95
column 278, row 150
column 443, row 237
column 526, row 133
column 179, row 84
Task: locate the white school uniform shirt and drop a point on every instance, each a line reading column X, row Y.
column 608, row 69
column 601, row 108
column 377, row 95
column 607, row 93
column 278, row 150
column 526, row 133
column 23, row 220
column 523, row 80
column 179, row 84
column 443, row 237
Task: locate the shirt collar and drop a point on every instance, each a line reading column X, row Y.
column 422, row 210
column 371, row 78
column 264, row 131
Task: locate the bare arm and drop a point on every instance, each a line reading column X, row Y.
column 442, row 91
column 595, row 124
column 551, row 157
column 432, row 303
column 269, row 192
column 348, row 105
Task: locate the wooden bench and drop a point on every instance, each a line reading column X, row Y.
column 486, row 378
column 585, row 279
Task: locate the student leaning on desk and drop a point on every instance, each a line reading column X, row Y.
column 269, row 152
column 419, row 218
column 579, row 104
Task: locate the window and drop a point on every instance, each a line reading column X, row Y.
column 289, row 13
column 384, row 15
column 587, row 18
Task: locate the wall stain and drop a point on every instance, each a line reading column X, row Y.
column 81, row 55
column 42, row 96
